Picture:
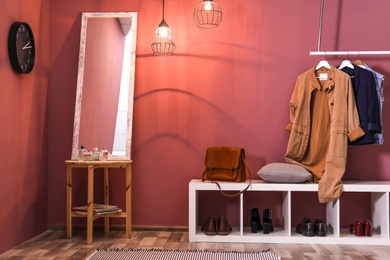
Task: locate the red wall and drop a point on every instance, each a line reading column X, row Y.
column 227, row 86
column 24, row 180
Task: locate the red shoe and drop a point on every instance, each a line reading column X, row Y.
column 367, row 228
column 358, row 228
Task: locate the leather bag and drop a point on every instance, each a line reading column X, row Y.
column 226, row 164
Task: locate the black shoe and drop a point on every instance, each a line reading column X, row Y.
column 320, row 228
column 255, row 220
column 267, row 221
column 298, row 229
column 307, row 228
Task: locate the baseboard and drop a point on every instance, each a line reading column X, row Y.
column 159, row 228
column 123, row 228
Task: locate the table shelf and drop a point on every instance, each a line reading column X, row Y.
column 91, row 166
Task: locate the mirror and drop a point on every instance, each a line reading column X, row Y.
column 105, row 83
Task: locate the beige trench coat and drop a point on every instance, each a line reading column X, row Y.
column 344, row 124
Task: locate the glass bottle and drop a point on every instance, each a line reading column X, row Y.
column 104, row 155
column 95, row 154
column 87, row 155
column 80, row 156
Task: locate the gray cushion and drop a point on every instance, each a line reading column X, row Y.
column 284, row 173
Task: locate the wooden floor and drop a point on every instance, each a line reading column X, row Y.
column 53, row 244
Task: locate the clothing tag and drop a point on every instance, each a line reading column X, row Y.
column 323, row 76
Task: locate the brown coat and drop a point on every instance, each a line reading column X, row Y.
column 344, row 124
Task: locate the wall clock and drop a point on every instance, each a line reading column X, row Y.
column 21, row 47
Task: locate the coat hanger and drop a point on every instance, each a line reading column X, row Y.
column 346, row 63
column 359, row 63
column 323, row 63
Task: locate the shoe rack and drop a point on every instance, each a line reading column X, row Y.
column 379, row 191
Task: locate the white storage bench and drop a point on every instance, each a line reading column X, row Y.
column 379, row 191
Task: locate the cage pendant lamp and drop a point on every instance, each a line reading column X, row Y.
column 163, row 44
column 207, row 14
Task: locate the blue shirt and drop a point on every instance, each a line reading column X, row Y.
column 379, row 80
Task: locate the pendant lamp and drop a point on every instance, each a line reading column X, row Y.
column 163, row 44
column 207, row 14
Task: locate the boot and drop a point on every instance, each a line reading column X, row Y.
column 255, row 220
column 267, row 221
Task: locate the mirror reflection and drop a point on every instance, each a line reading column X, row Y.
column 105, row 84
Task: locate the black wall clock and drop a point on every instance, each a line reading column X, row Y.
column 21, row 47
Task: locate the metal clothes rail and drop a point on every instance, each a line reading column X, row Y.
column 334, row 53
column 349, row 53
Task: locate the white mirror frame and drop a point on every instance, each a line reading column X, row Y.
column 128, row 21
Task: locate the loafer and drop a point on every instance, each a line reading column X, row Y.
column 209, row 227
column 298, row 228
column 307, row 228
column 320, row 228
column 224, row 227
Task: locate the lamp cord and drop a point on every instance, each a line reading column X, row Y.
column 163, row 10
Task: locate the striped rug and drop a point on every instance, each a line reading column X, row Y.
column 160, row 254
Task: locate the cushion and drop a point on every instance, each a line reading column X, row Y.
column 284, row 173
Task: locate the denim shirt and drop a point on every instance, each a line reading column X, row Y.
column 379, row 80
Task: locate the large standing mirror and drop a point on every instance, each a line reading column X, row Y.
column 105, row 83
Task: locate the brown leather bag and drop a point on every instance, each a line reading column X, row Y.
column 226, row 164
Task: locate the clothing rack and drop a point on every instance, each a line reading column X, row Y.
column 324, row 53
column 335, row 53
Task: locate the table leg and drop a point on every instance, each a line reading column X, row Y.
column 106, row 199
column 90, row 206
column 68, row 200
column 128, row 201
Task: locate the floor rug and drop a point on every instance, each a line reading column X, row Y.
column 159, row 254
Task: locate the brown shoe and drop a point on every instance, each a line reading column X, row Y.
column 224, row 228
column 210, row 227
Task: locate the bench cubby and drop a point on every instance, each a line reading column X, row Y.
column 285, row 233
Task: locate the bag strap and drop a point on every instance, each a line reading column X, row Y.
column 240, row 192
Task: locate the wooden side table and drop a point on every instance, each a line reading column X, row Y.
column 91, row 166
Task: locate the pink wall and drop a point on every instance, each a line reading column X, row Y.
column 24, row 180
column 227, row 86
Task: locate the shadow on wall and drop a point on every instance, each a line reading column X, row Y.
column 233, row 124
column 270, row 55
column 230, row 124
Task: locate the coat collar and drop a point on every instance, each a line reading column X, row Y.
column 327, row 84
